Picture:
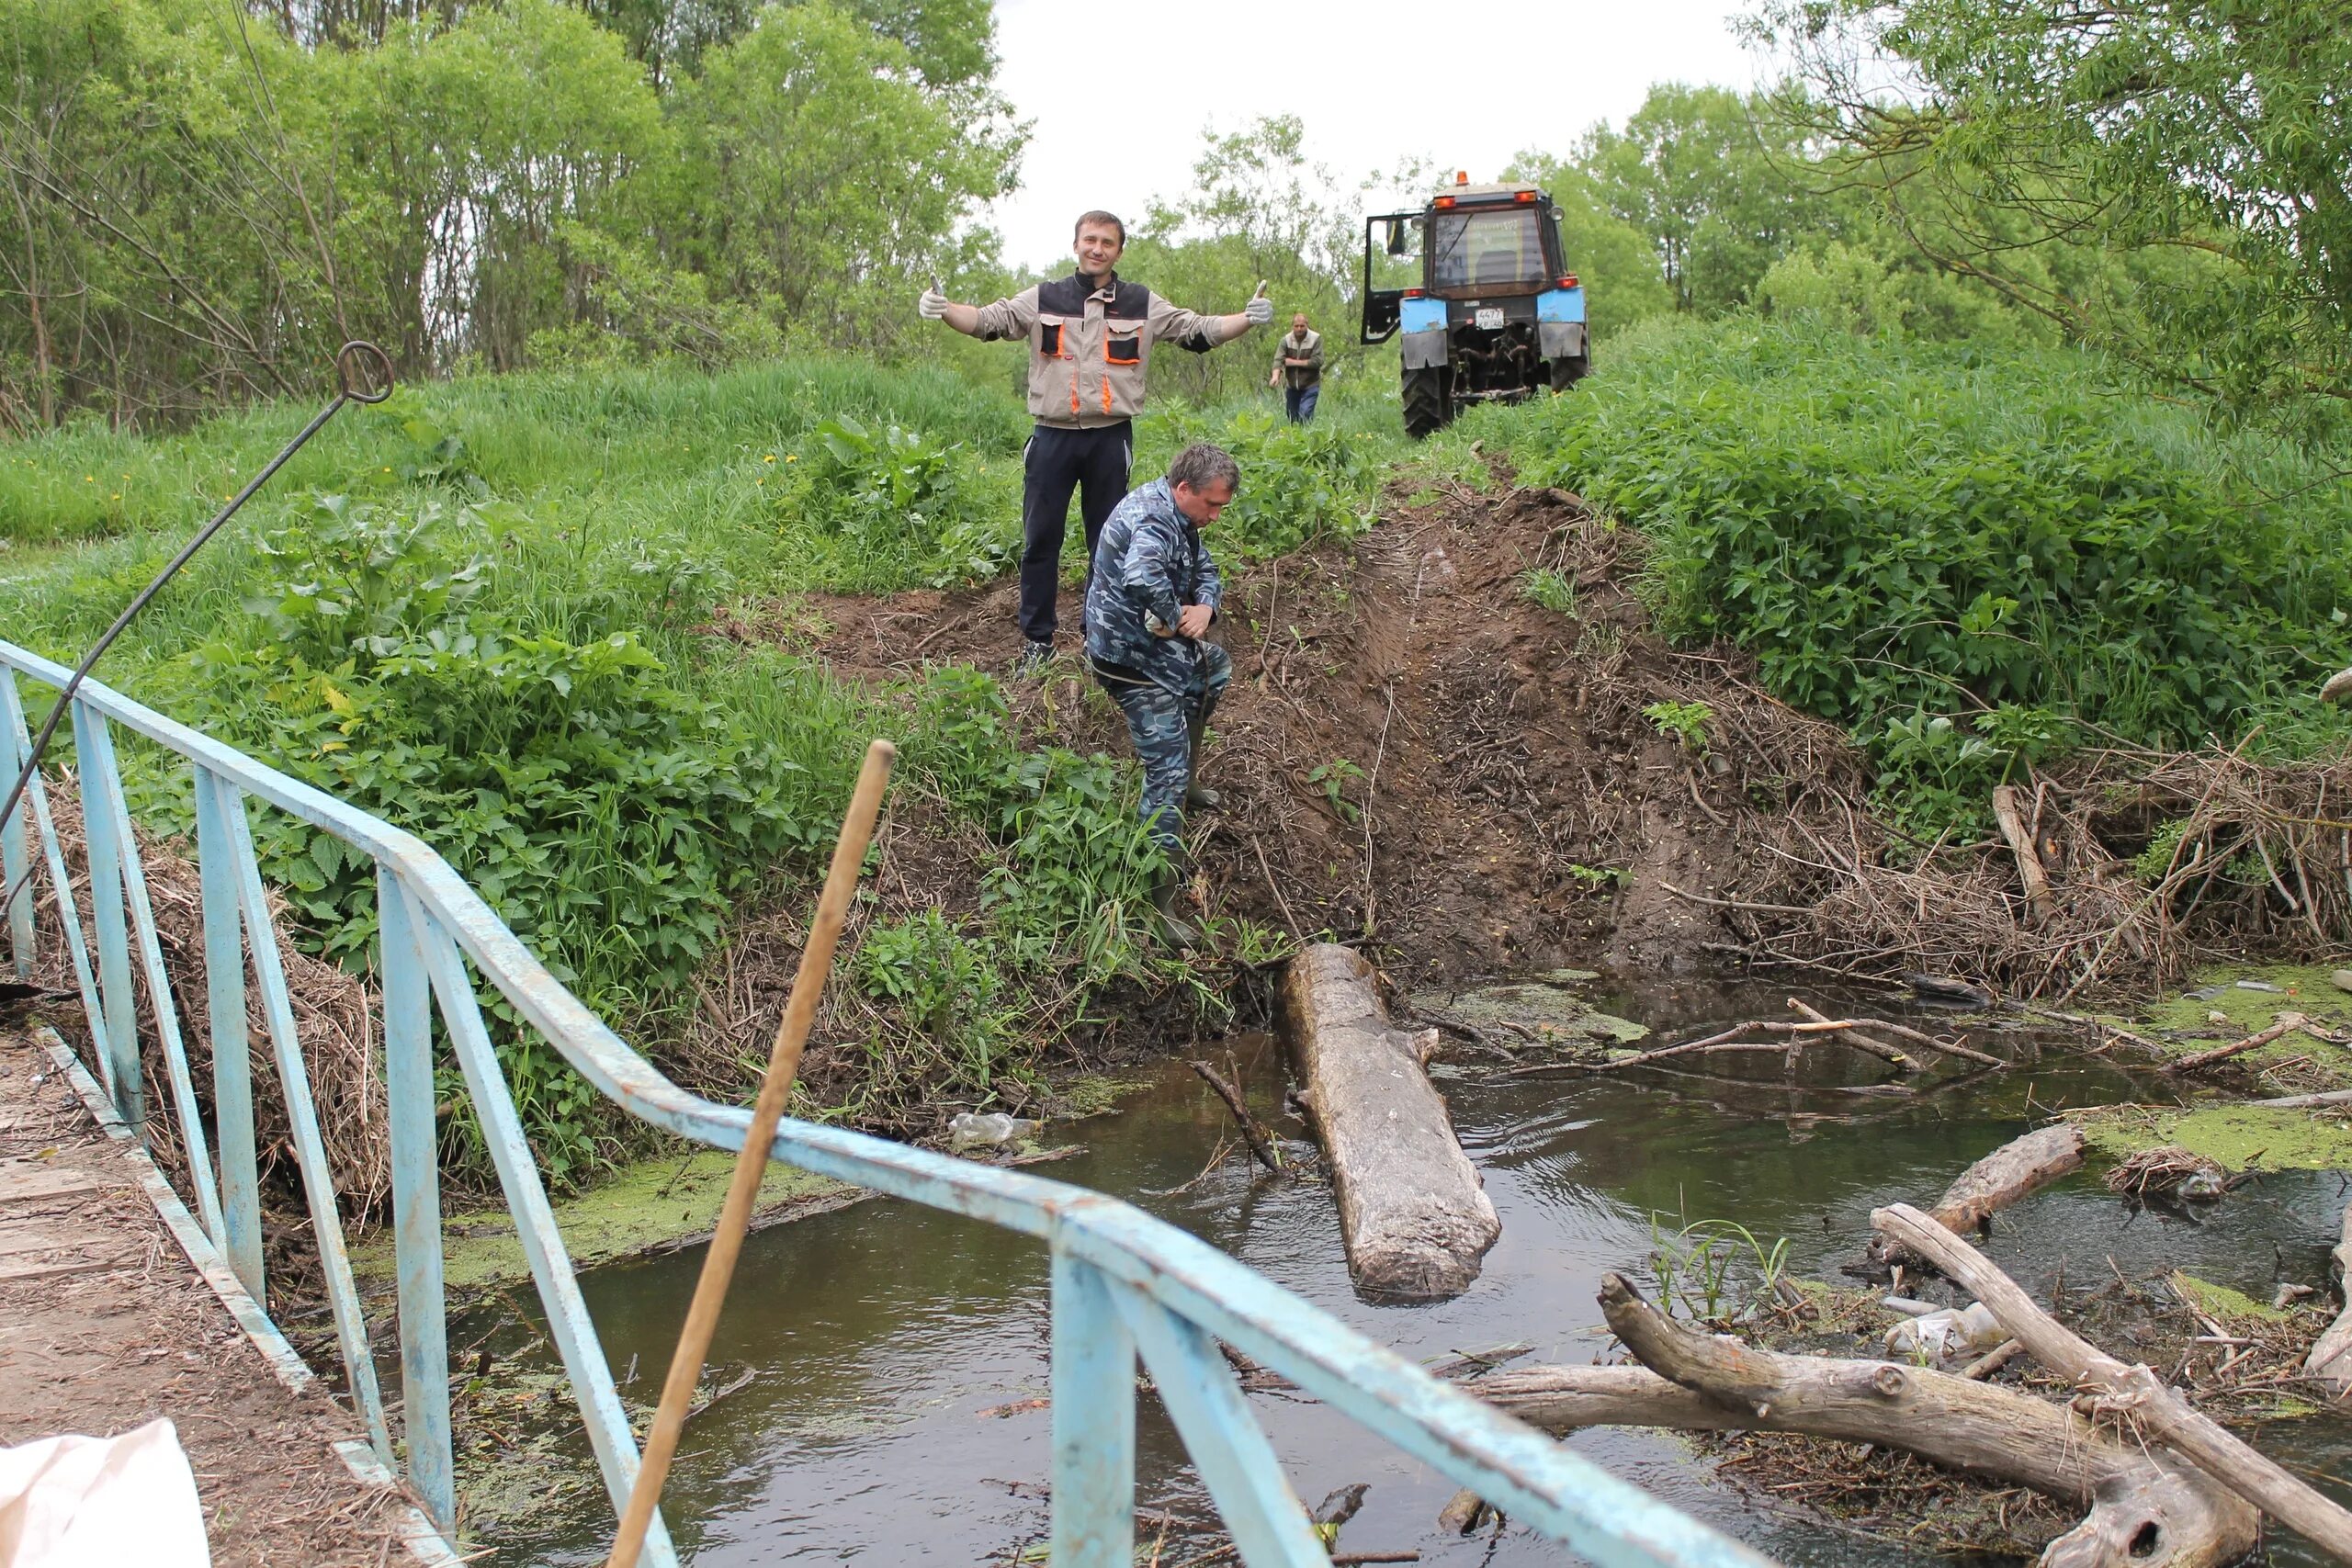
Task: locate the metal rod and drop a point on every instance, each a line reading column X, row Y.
column 363, row 375
column 750, row 1162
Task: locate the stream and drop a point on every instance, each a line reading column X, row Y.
column 884, row 1338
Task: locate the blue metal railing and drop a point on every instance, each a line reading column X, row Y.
column 1124, row 1284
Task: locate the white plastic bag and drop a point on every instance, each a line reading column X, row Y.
column 1945, row 1335
column 101, row 1503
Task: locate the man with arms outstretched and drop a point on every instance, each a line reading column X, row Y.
column 1090, row 339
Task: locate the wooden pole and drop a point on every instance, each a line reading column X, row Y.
column 734, row 1217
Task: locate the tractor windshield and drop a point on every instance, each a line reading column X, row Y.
column 1497, row 248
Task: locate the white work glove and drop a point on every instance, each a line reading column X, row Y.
column 932, row 306
column 1260, row 310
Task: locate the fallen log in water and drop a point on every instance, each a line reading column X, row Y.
column 2131, row 1394
column 2144, row 1509
column 2331, row 1358
column 1412, row 1211
column 2017, row 1169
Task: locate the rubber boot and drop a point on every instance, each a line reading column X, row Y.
column 1164, row 894
column 1196, row 796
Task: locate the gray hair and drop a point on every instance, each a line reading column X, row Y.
column 1200, row 465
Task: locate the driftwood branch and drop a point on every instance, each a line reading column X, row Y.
column 2037, row 902
column 1857, row 1040
column 2286, row 1023
column 1942, row 1047
column 1705, row 1382
column 2133, row 1393
column 2331, row 1358
column 1862, row 1033
column 2017, row 1169
column 1260, row 1145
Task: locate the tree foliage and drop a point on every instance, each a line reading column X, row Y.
column 198, row 204
column 1708, row 179
column 2204, row 144
column 1256, row 209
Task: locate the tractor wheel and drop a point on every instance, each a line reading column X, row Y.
column 1427, row 404
column 1568, row 370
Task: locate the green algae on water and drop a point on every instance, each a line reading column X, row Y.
column 2232, row 1309
column 2278, row 1137
column 650, row 1205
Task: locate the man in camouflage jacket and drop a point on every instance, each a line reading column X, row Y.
column 1090, row 339
column 1153, row 595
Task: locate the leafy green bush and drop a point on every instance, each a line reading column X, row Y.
column 1900, row 534
column 609, row 815
column 906, row 506
column 1686, row 722
column 530, row 685
column 1550, row 588
column 947, row 986
column 1299, row 482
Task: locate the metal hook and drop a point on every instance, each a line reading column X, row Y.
column 363, row 375
column 364, row 371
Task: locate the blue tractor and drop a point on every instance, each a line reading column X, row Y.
column 1496, row 314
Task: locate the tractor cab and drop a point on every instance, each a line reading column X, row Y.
column 1477, row 285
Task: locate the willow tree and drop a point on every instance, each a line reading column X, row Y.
column 2203, row 142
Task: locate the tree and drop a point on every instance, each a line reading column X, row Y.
column 1706, row 173
column 1257, row 209
column 818, row 172
column 2205, row 142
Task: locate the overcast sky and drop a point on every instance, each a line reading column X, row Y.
column 1120, row 93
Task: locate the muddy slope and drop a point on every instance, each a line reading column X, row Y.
column 1502, row 804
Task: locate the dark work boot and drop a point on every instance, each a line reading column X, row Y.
column 1165, row 892
column 1196, row 796
column 1036, row 657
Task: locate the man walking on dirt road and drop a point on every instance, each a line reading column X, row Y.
column 1298, row 369
column 1090, row 337
column 1151, row 599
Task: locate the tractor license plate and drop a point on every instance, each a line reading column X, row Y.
column 1491, row 319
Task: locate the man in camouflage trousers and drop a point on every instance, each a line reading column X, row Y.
column 1153, row 595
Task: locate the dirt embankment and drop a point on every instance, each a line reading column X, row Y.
column 1416, row 752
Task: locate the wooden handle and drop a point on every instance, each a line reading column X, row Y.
column 742, row 1190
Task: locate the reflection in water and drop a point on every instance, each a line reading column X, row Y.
column 883, row 1333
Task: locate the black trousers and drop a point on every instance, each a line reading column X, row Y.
column 1092, row 462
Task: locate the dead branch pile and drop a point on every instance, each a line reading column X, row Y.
column 2115, row 869
column 333, row 1014
column 2331, row 1359
column 2160, row 1170
column 2143, row 1506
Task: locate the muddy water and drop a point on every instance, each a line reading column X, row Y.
column 884, row 1335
